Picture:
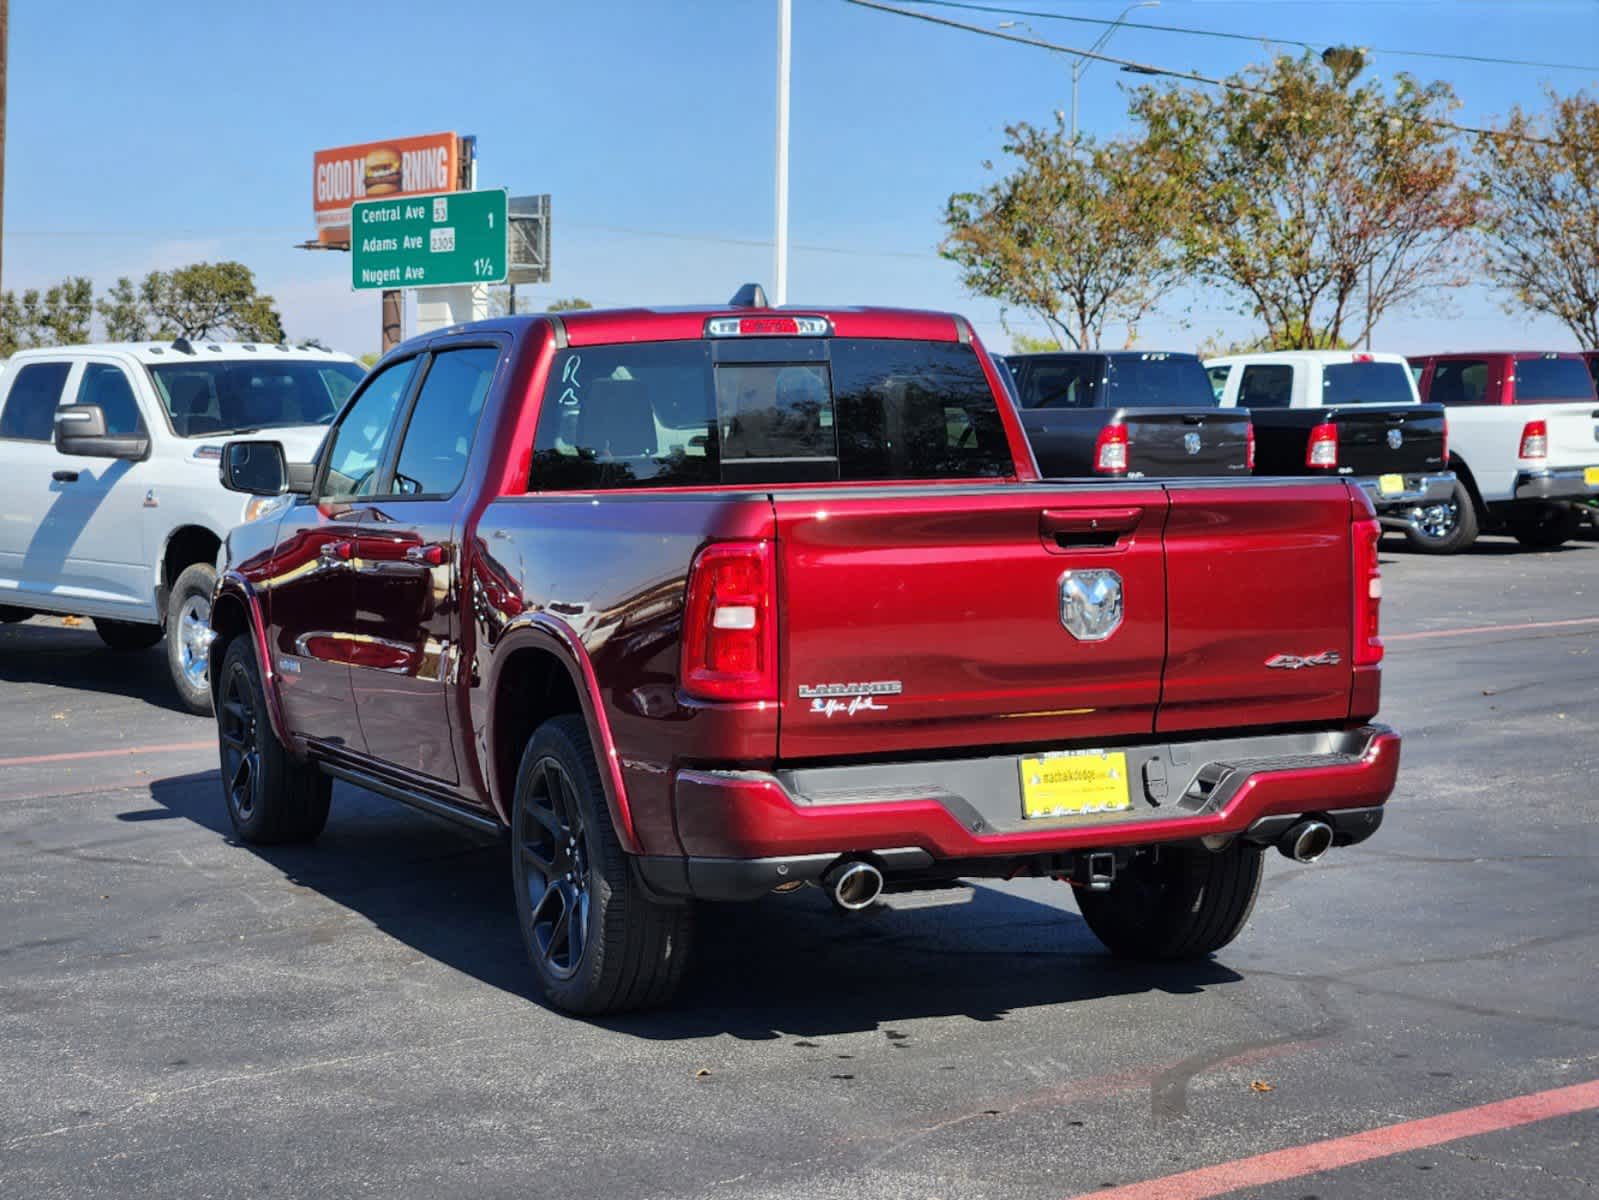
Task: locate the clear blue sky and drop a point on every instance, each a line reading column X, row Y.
column 144, row 136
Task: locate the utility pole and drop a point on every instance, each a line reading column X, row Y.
column 780, row 248
column 5, row 54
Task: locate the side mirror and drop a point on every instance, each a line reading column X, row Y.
column 80, row 430
column 254, row 468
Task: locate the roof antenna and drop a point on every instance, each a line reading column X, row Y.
column 751, row 295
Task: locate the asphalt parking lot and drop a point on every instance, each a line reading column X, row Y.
column 183, row 1016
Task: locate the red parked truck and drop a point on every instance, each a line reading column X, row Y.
column 714, row 603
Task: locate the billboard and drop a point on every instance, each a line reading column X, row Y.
column 404, row 166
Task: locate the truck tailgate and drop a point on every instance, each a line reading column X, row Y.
column 1260, row 604
column 931, row 617
column 1178, row 443
column 1573, row 432
column 1399, row 439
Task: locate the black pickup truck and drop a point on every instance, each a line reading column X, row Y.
column 1353, row 415
column 1129, row 414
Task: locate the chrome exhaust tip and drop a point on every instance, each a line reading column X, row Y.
column 1307, row 841
column 853, row 884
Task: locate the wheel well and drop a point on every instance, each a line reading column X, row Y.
column 1465, row 476
column 534, row 685
column 189, row 544
column 229, row 620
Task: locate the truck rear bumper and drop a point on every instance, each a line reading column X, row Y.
column 1397, row 507
column 1562, row 483
column 747, row 832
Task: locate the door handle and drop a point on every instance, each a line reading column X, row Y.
column 64, row 476
column 434, row 554
column 1073, row 528
column 336, row 552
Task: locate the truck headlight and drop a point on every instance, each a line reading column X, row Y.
column 264, row 506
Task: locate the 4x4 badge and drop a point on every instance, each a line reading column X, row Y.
column 1296, row 662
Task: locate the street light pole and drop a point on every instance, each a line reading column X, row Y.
column 1080, row 65
column 780, row 246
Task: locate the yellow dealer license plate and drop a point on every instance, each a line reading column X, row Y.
column 1390, row 485
column 1074, row 784
column 1591, row 476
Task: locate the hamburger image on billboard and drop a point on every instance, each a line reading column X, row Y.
column 382, row 173
column 400, row 166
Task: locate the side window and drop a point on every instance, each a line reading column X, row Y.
column 438, row 437
column 355, row 446
column 1218, row 380
column 30, row 410
column 107, row 386
column 1266, row 386
column 1459, row 381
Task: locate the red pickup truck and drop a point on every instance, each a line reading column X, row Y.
column 715, row 603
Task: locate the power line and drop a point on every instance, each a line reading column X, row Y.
column 1246, row 37
column 1140, row 68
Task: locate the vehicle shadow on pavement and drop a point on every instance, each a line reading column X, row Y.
column 1493, row 545
column 786, row 965
column 76, row 658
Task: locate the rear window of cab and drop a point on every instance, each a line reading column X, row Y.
column 773, row 410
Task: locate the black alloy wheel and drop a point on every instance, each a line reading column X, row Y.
column 553, row 863
column 241, row 744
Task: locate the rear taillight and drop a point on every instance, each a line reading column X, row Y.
column 1322, row 450
column 1534, row 440
column 1110, row 450
column 1445, row 435
column 1249, row 447
column 730, row 623
column 1367, row 533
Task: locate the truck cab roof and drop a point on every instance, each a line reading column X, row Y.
column 153, row 353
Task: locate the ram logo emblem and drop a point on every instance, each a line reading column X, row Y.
column 1091, row 604
column 1396, row 439
column 1191, row 443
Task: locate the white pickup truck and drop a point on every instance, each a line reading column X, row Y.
column 1523, row 439
column 110, row 502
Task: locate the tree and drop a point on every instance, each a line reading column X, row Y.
column 1077, row 239
column 1319, row 204
column 59, row 316
column 208, row 300
column 1540, row 179
column 124, row 314
column 1026, row 343
column 572, row 304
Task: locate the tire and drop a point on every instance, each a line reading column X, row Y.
column 1452, row 531
column 188, row 636
column 270, row 797
column 597, row 942
column 127, row 635
column 1185, row 903
column 1546, row 526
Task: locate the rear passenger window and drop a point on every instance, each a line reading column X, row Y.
column 30, row 410
column 1263, row 386
column 666, row 414
column 108, row 387
column 438, row 437
column 1459, row 381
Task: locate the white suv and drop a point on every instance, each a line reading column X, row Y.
column 110, row 502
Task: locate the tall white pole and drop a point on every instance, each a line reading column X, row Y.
column 780, row 288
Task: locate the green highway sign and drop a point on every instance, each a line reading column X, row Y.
column 428, row 241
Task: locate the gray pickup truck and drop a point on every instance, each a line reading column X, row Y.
column 1130, row 414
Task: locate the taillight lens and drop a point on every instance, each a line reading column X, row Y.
column 1534, row 440
column 1367, row 534
column 1249, row 448
column 1323, row 448
column 730, row 623
column 1445, row 459
column 1110, row 450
